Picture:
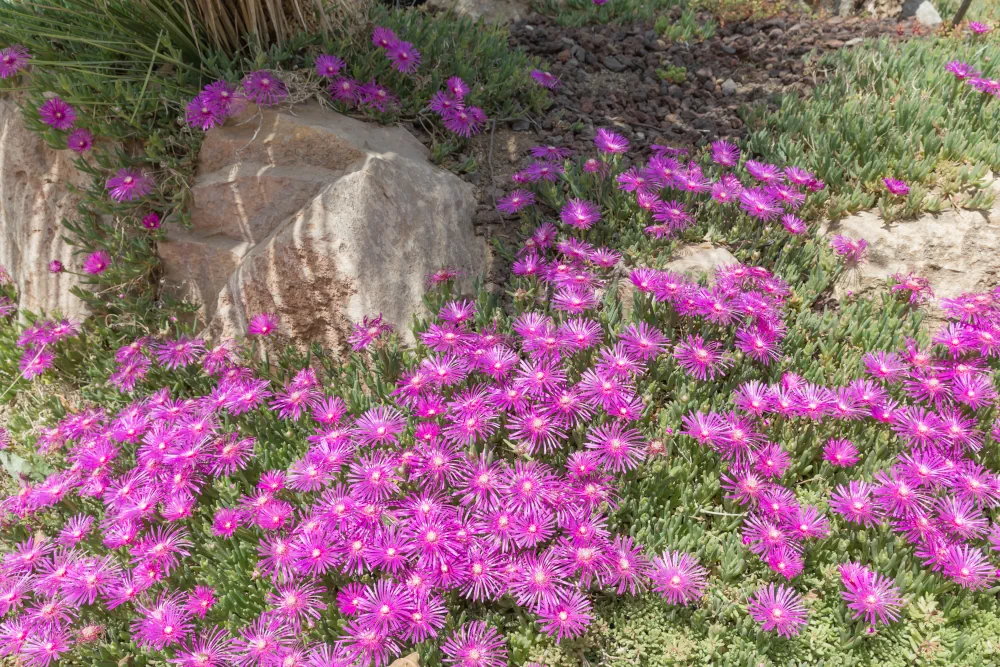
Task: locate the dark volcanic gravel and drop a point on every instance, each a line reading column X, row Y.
column 609, row 79
column 609, row 74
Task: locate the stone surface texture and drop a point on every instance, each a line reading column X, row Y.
column 321, row 219
column 957, row 251
column 700, row 259
column 34, row 199
column 923, row 11
column 500, row 11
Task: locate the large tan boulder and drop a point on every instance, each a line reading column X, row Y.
column 957, row 251
column 412, row 660
column 34, row 199
column 699, row 260
column 321, row 219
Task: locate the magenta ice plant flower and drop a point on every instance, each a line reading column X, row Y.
column 778, row 609
column 264, row 88
column 80, row 140
column 896, row 187
column 13, row 59
column 129, row 184
column 545, row 79
column 58, row 115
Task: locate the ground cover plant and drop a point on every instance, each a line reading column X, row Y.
column 158, row 66
column 610, row 463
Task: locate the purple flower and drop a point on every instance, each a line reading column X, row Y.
column 264, row 88
column 262, row 324
column 345, row 90
column 760, row 204
column 383, row 37
column 727, row 189
column 57, row 114
column 725, row 154
column 45, row 645
column 678, row 577
column 376, row 96
column 961, row 70
column 183, row 351
column 457, row 88
column 201, row 114
column 979, row 28
column 224, row 98
column 328, row 66
column 545, row 79
column 151, row 220
column 799, row 177
column 779, row 609
column 200, row 601
column 840, row 453
column 968, row 567
column 96, row 262
column 464, row 121
column 368, row 331
column 405, row 58
column 610, row 142
column 55, row 266
column 34, row 362
column 567, row 617
column 870, row 595
column 619, row 449
column 211, row 648
column 854, row 251
column 919, row 287
column 793, row 224
column 475, row 644
column 768, row 174
column 703, row 360
column 12, row 60
column 896, row 187
column 296, row 603
column 80, row 140
column 162, row 623
column 129, row 185
column 515, row 201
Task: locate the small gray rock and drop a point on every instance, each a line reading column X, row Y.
column 675, row 91
column 613, row 64
column 728, row 87
column 520, row 125
column 728, row 49
column 923, row 11
column 854, row 41
column 591, row 59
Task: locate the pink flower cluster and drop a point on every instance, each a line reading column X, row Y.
column 974, row 78
column 458, row 117
column 13, row 59
column 403, row 56
column 54, row 111
column 934, row 496
column 414, row 500
column 37, row 342
column 777, row 192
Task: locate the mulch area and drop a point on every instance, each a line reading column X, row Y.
column 609, row 79
column 609, row 73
